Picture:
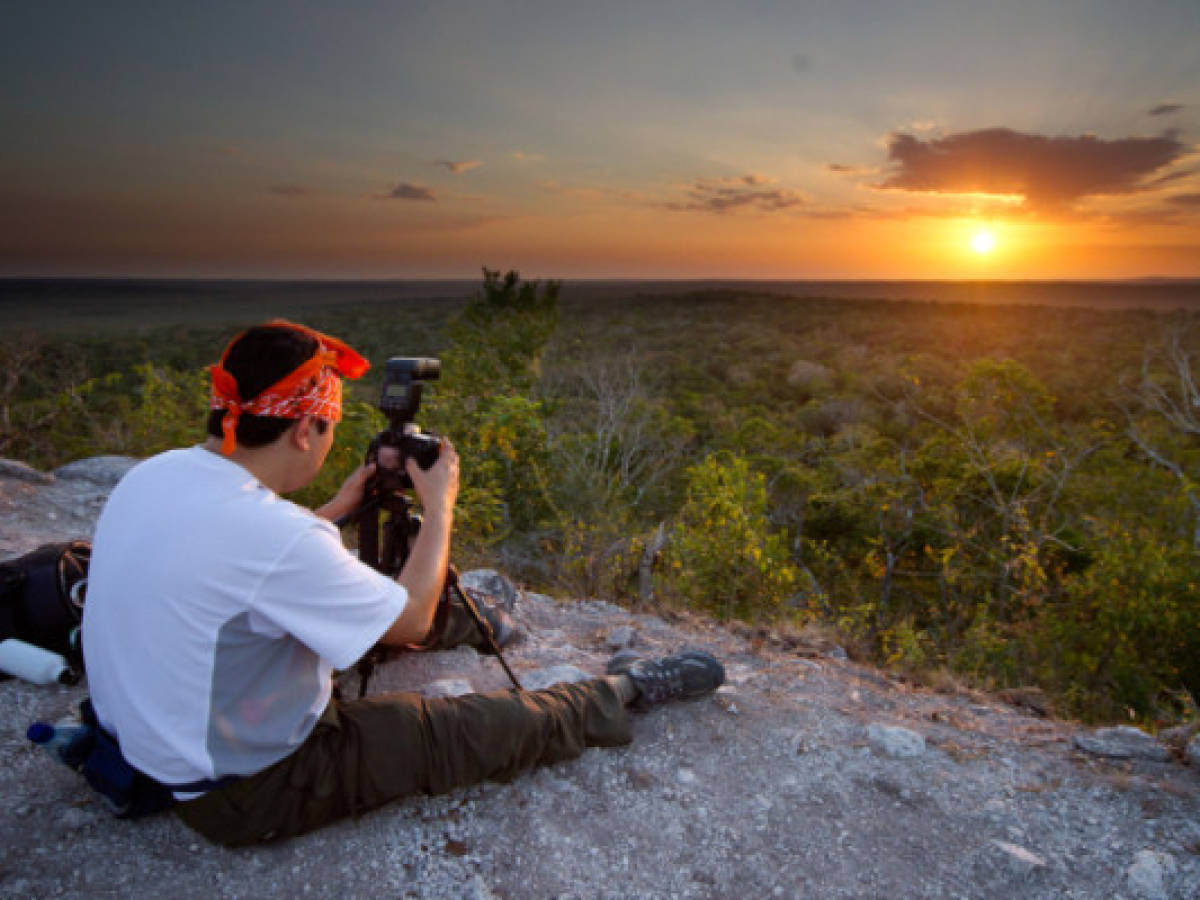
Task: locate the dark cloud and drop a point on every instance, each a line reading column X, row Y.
column 1046, row 171
column 1186, row 199
column 1165, row 109
column 801, row 63
column 408, row 191
column 729, row 194
column 1172, row 176
column 290, row 190
column 457, row 168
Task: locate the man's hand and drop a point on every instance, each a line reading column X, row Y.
column 437, row 486
column 350, row 496
column 425, row 572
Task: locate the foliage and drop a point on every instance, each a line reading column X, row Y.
column 39, row 388
column 138, row 412
column 1006, row 492
column 1164, row 417
column 614, row 451
column 485, row 404
column 722, row 555
column 1127, row 630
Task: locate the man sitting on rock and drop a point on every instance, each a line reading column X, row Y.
column 217, row 613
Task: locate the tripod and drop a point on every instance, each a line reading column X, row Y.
column 384, row 494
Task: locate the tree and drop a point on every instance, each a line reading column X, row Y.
column 485, row 403
column 1164, row 417
column 613, row 448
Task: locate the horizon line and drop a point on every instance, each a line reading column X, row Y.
column 607, row 279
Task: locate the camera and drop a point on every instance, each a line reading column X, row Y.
column 404, row 380
column 385, row 545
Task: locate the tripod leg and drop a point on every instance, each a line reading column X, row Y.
column 485, row 630
column 365, row 668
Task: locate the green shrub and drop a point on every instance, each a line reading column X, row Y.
column 1127, row 632
column 722, row 555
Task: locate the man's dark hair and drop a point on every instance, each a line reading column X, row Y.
column 259, row 358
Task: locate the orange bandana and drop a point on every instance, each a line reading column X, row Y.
column 314, row 388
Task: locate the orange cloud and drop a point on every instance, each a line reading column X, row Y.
column 1048, row 172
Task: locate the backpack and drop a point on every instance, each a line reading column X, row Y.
column 41, row 597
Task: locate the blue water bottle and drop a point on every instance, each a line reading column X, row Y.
column 70, row 742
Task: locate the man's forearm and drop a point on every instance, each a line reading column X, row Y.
column 423, row 576
column 333, row 510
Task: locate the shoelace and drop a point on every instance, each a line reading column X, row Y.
column 661, row 680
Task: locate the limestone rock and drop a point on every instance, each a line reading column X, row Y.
column 19, row 471
column 105, row 471
column 544, row 678
column 1121, row 742
column 1193, row 751
column 895, row 741
column 621, row 637
column 1003, row 869
column 1147, row 876
column 1016, row 860
column 447, row 687
column 493, row 584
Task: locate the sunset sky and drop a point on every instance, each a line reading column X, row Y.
column 843, row 139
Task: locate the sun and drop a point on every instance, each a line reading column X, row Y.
column 983, row 241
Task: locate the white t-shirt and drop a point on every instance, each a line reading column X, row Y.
column 216, row 612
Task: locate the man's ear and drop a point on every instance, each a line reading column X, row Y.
column 298, row 433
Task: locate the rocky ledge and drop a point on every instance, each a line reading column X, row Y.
column 806, row 775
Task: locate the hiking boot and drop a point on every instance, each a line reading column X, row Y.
column 504, row 629
column 454, row 626
column 684, row 676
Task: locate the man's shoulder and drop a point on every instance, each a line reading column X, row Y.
column 165, row 463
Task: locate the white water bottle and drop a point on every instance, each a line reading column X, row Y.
column 34, row 664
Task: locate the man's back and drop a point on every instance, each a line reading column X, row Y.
column 215, row 613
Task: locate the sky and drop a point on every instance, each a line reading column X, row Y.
column 846, row 139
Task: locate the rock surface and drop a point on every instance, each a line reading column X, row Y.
column 15, row 470
column 768, row 788
column 1121, row 742
column 1148, row 874
column 551, row 675
column 901, row 743
column 104, row 471
column 621, row 637
column 57, row 507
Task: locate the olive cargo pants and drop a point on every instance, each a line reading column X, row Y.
column 365, row 753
